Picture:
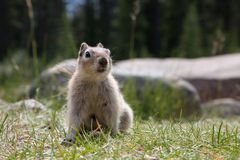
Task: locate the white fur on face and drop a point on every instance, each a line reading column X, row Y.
column 91, row 64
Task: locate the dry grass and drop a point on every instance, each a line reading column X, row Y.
column 37, row 135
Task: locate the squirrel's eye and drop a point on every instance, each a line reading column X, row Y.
column 87, row 55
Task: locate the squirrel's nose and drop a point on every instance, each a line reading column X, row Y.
column 103, row 62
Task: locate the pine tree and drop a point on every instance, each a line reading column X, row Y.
column 122, row 25
column 13, row 26
column 130, row 25
column 78, row 25
column 209, row 22
column 171, row 27
column 85, row 23
column 154, row 17
column 232, row 42
column 191, row 40
column 65, row 39
column 233, row 30
column 52, row 32
column 104, row 28
column 90, row 22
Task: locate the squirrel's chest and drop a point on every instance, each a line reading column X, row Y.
column 94, row 95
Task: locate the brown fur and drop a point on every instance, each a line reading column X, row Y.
column 94, row 95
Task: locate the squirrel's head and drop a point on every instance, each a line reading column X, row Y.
column 94, row 61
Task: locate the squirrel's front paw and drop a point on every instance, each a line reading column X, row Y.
column 69, row 141
column 114, row 132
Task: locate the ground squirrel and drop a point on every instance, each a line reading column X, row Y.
column 94, row 95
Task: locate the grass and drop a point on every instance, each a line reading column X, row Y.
column 28, row 134
column 159, row 100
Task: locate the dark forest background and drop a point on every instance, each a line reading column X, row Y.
column 130, row 28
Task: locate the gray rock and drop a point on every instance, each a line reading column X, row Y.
column 218, row 67
column 197, row 79
column 221, row 107
column 213, row 77
column 183, row 95
column 31, row 104
column 8, row 67
column 52, row 82
column 3, row 104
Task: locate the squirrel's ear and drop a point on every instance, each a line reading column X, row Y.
column 108, row 51
column 100, row 45
column 83, row 47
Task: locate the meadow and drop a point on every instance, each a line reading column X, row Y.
column 28, row 134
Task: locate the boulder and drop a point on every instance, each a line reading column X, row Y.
column 52, row 82
column 3, row 104
column 221, row 107
column 164, row 98
column 213, row 77
column 199, row 79
column 29, row 104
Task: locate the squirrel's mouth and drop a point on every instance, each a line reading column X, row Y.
column 101, row 69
